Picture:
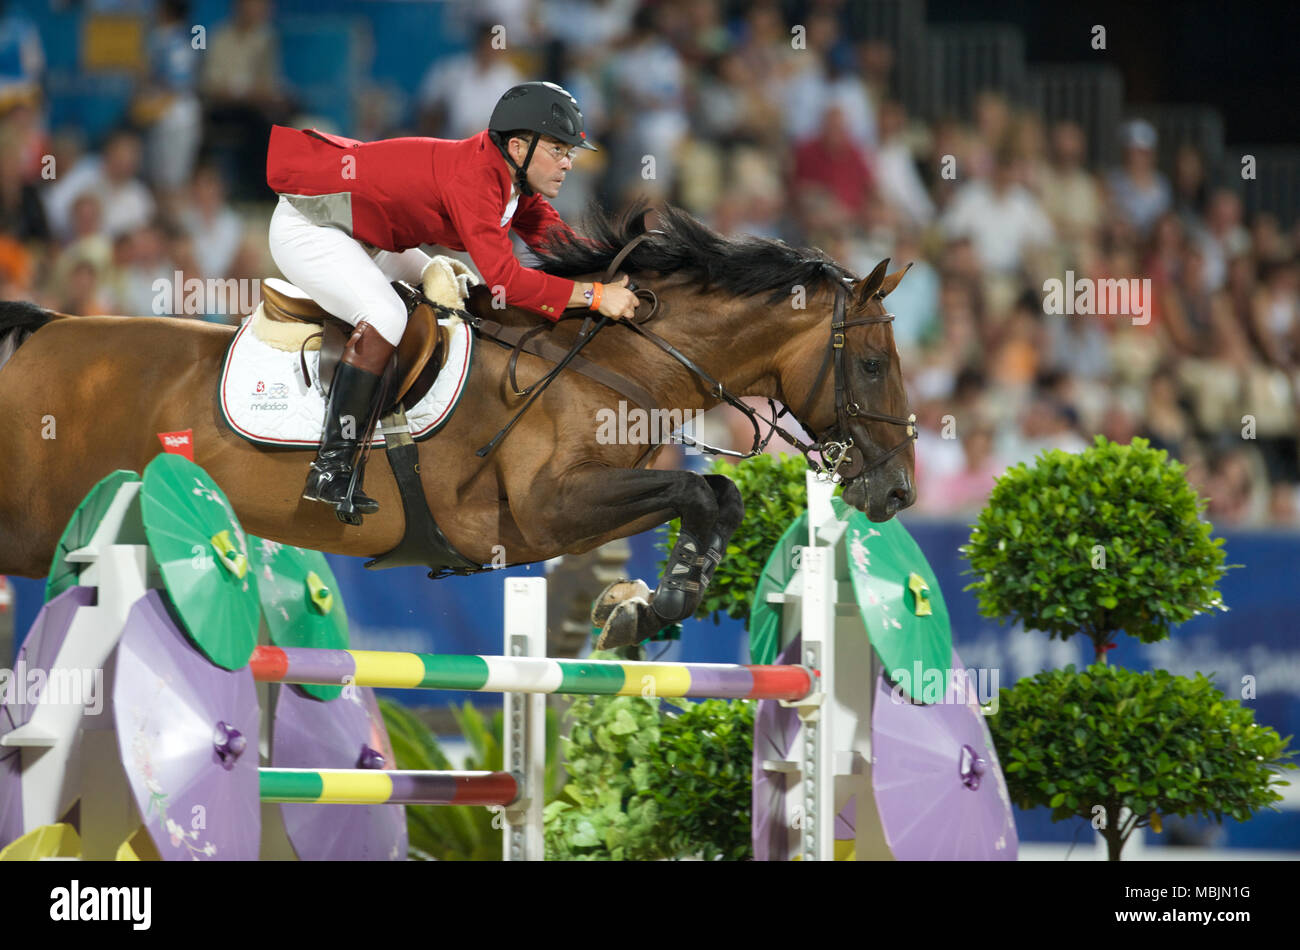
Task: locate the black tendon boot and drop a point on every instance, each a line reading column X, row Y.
column 356, row 381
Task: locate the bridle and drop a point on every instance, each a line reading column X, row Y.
column 841, row 460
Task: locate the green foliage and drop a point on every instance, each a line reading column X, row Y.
column 1104, row 540
column 1154, row 743
column 646, row 785
column 458, row 832
column 704, row 789
column 605, row 812
column 775, row 494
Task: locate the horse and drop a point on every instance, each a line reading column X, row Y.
column 82, row 396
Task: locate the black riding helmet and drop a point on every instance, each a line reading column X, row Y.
column 542, row 108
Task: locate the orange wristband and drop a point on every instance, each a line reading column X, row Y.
column 596, row 290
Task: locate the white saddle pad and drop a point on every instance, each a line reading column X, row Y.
column 263, row 397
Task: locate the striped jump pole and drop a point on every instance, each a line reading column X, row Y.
column 393, row 787
column 524, row 674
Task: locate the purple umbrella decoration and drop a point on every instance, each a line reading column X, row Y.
column 939, row 788
column 343, row 733
column 17, row 699
column 187, row 733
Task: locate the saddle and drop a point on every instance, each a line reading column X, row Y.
column 419, row 357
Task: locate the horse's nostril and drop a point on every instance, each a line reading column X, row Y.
column 901, row 498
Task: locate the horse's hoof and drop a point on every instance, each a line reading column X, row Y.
column 613, row 595
column 625, row 626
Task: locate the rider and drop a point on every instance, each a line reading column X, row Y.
column 352, row 215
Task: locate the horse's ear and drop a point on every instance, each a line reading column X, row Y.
column 871, row 285
column 890, row 282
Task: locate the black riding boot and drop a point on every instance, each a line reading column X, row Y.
column 356, row 381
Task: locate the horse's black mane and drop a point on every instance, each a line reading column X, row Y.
column 22, row 315
column 740, row 267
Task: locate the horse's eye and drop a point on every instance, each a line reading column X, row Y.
column 873, row 367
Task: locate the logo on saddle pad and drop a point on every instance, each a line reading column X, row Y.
column 262, row 393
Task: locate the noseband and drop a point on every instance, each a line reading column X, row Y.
column 842, row 460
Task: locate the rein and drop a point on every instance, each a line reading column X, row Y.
column 591, row 325
column 841, row 459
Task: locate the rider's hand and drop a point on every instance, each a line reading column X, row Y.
column 617, row 302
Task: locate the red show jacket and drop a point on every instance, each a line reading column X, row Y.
column 410, row 191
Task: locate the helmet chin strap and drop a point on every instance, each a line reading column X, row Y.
column 521, row 171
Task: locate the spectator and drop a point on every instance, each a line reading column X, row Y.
column 1267, row 240
column 520, row 18
column 80, row 295
column 169, row 105
column 1044, row 424
column 1223, row 237
column 214, row 228
column 1002, row 219
column 127, row 204
column 1138, row 192
column 1277, row 315
column 587, row 24
column 241, row 86
column 1190, row 191
column 1237, row 489
column 22, row 59
column 916, row 299
column 1071, row 196
column 22, row 216
column 89, row 242
column 833, row 162
column 243, row 62
column 147, row 261
column 1167, row 414
column 900, row 182
column 458, row 93
column 1017, row 344
column 649, row 82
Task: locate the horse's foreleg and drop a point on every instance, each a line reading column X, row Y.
column 696, row 556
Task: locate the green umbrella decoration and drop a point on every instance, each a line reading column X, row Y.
column 764, row 618
column 81, row 528
column 202, row 554
column 901, row 605
column 300, row 601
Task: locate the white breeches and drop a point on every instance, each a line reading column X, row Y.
column 341, row 275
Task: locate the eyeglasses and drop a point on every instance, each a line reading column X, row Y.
column 558, row 153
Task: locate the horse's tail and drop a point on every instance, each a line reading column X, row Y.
column 19, row 319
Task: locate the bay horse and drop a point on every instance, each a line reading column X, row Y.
column 82, row 396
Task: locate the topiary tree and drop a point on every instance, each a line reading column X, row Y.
column 1121, row 748
column 1105, row 540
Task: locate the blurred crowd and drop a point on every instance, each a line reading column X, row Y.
column 722, row 109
